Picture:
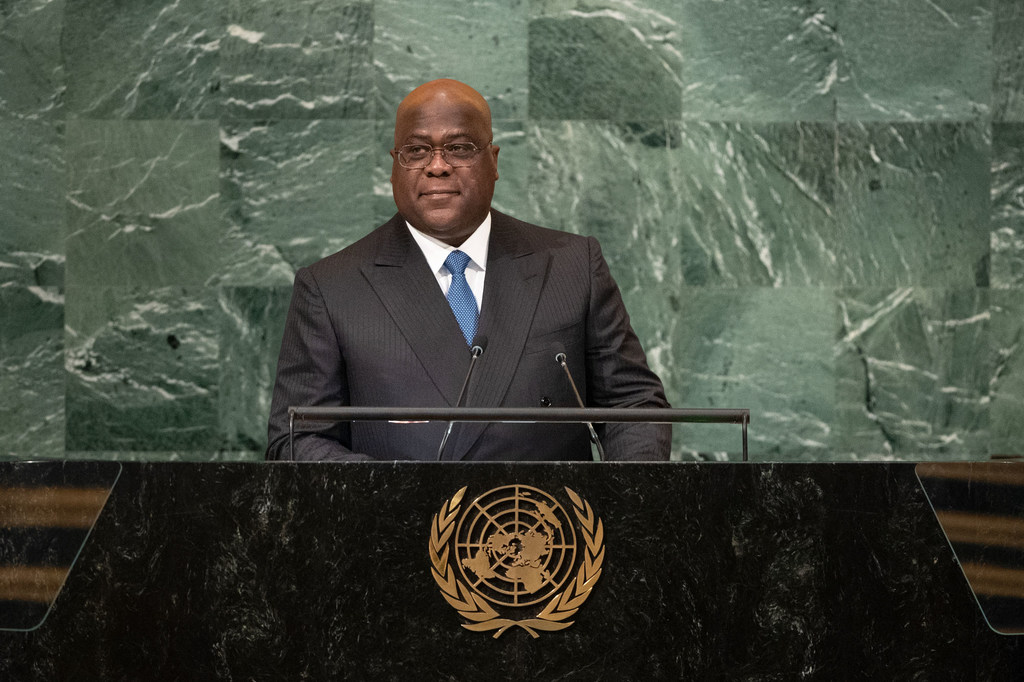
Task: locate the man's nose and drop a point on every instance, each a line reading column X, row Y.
column 437, row 165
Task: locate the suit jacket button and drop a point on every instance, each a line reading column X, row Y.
column 545, row 402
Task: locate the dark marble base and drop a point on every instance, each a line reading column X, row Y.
column 712, row 571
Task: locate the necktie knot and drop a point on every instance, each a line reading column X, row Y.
column 460, row 297
column 456, row 262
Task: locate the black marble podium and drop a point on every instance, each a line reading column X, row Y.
column 322, row 571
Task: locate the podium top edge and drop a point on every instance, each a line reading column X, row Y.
column 522, row 414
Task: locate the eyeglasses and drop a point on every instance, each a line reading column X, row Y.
column 455, row 154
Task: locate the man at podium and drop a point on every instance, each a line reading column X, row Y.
column 400, row 317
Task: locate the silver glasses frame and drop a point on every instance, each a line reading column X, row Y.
column 443, row 150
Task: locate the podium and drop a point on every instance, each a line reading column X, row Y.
column 325, row 571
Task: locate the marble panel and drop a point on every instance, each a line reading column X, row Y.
column 31, row 72
column 252, row 324
column 299, row 59
column 293, row 192
column 615, row 61
column 142, row 369
column 165, row 455
column 915, row 61
column 694, row 203
column 913, row 204
column 515, row 168
column 1007, row 196
column 766, row 349
column 31, row 372
column 144, row 59
column 143, row 203
column 759, row 61
column 480, row 42
column 34, row 179
column 383, row 203
column 1007, row 390
column 1008, row 58
column 913, row 373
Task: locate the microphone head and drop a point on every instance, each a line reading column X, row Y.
column 479, row 345
column 559, row 349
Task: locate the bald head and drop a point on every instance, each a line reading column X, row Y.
column 452, row 92
column 444, row 201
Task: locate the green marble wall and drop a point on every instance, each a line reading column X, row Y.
column 815, row 210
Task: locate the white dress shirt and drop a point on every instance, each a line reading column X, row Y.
column 436, row 251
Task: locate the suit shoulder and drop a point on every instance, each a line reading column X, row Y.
column 353, row 256
column 543, row 237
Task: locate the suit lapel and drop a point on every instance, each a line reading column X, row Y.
column 515, row 277
column 409, row 291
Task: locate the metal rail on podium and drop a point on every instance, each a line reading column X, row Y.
column 519, row 415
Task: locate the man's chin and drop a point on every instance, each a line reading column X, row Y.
column 445, row 227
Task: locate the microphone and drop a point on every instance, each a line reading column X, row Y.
column 479, row 346
column 560, row 358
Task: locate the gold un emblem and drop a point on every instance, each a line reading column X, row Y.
column 513, row 552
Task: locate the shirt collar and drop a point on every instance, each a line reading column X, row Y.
column 475, row 246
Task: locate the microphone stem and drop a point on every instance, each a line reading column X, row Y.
column 572, row 383
column 593, row 433
column 476, row 353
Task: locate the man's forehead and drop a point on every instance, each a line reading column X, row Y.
column 441, row 122
column 446, row 134
column 442, row 109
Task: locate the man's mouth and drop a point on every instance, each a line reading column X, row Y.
column 438, row 193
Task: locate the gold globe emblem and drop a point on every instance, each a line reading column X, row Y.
column 515, row 545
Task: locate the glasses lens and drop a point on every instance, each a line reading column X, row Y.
column 414, row 155
column 455, row 154
column 459, row 151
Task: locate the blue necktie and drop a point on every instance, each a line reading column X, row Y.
column 460, row 298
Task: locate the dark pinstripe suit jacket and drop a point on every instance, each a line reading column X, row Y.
column 369, row 326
